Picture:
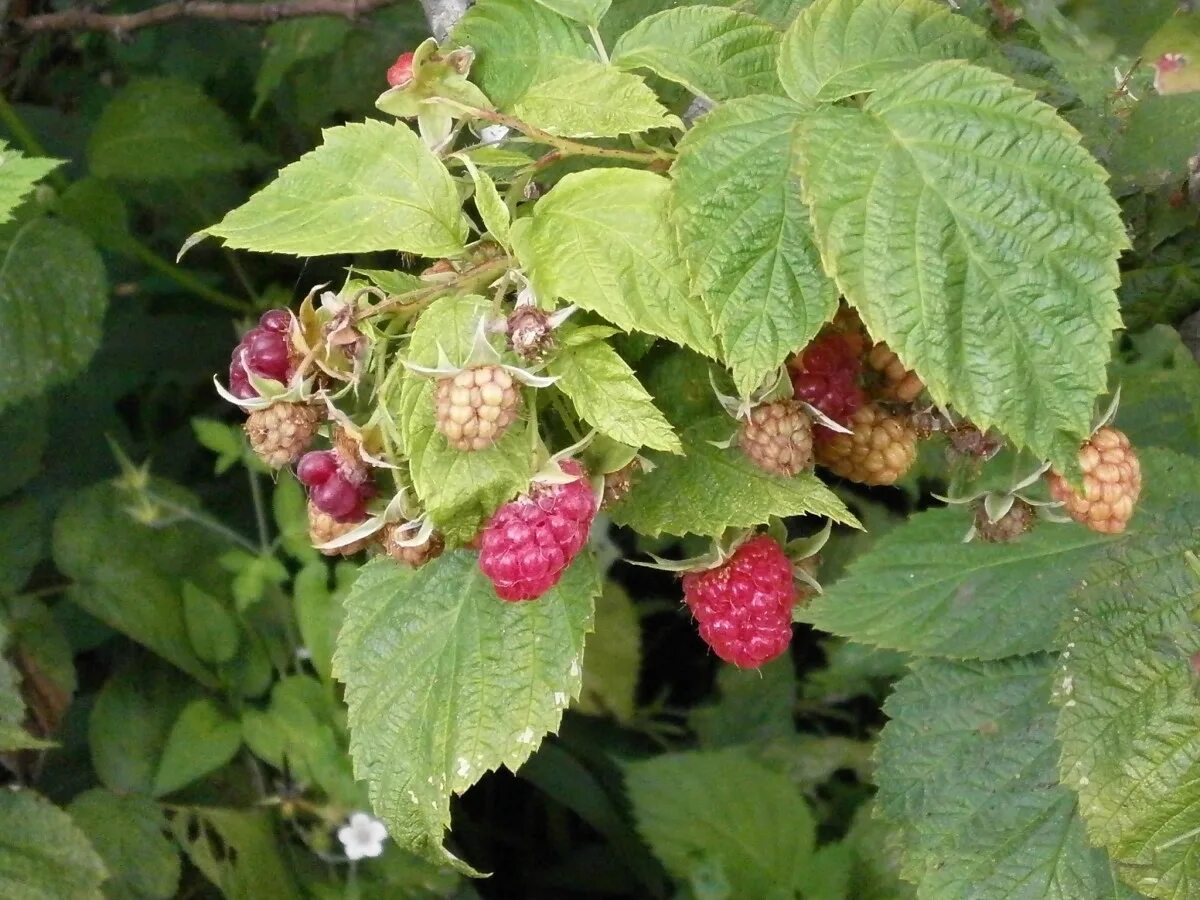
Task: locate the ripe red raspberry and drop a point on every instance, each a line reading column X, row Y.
column 335, row 487
column 1009, row 526
column 530, row 335
column 896, row 382
column 1112, row 482
column 414, row 557
column 777, row 437
column 880, row 449
column 826, row 375
column 530, row 541
column 323, row 528
column 744, row 606
column 264, row 350
column 282, row 431
column 476, row 406
column 401, row 71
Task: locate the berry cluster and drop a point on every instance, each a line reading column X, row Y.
column 475, row 406
column 264, row 351
column 337, row 487
column 826, row 375
column 778, row 437
column 530, row 541
column 744, row 606
column 1112, row 482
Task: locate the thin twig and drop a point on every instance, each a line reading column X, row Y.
column 90, row 20
column 483, row 273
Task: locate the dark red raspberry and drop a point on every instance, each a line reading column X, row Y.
column 334, row 488
column 744, row 606
column 264, row 350
column 826, row 375
column 401, row 71
column 530, row 541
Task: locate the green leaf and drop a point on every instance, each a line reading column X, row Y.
column 1130, row 738
column 722, row 807
column 496, row 678
column 517, row 43
column 709, row 490
column 292, row 42
column 13, row 735
column 369, row 186
column 1153, row 147
column 237, row 851
column 162, row 128
column 210, row 627
column 745, row 233
column 458, row 490
column 289, row 503
column 967, row 771
column 127, row 832
column 129, row 575
column 587, row 99
column 608, row 395
column 1160, row 391
column 754, row 706
column 717, row 53
column 202, row 740
column 43, row 854
column 995, row 273
column 492, row 209
column 837, row 48
column 22, row 541
column 52, row 301
column 18, row 175
column 613, row 657
column 920, row 589
column 601, row 239
column 319, row 611
column 23, row 437
column 589, row 12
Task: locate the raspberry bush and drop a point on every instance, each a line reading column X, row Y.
column 761, row 428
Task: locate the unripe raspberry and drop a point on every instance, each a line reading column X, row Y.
column 744, row 606
column 401, row 71
column 414, row 557
column 264, row 350
column 476, row 406
column 530, row 541
column 1009, row 526
column 826, row 375
column 880, row 449
column 323, row 528
column 1112, row 482
column 897, row 383
column 777, row 437
column 336, row 487
column 529, row 333
column 280, row 433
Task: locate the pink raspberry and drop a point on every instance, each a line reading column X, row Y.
column 530, row 541
column 826, row 375
column 333, row 488
column 744, row 606
column 264, row 350
column 401, row 71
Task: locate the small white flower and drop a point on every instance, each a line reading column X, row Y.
column 492, row 134
column 363, row 837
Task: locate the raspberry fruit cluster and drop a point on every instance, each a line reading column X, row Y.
column 744, row 606
column 826, row 375
column 475, row 406
column 337, row 487
column 265, row 351
column 1112, row 482
column 778, row 437
column 529, row 542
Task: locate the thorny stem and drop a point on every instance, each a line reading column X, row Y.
column 480, row 274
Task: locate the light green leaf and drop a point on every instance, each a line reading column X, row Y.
column 589, row 12
column 726, row 809
column 458, row 490
column 238, row 851
column 202, row 740
column 161, row 128
column 836, row 48
column 780, row 13
column 587, row 99
column 717, row 53
column 1130, row 737
column 517, row 43
column 495, row 679
column 613, row 658
column 292, row 42
column 210, row 627
column 127, row 832
column 920, row 589
column 43, row 854
column 709, row 490
column 226, row 440
column 967, row 772
column 1153, row 146
column 129, row 575
column 608, row 395
column 491, row 206
column 369, row 186
column 52, row 300
column 745, row 233
column 601, row 239
column 976, row 236
column 18, row 175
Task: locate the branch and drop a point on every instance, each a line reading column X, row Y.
column 89, row 20
column 443, row 15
